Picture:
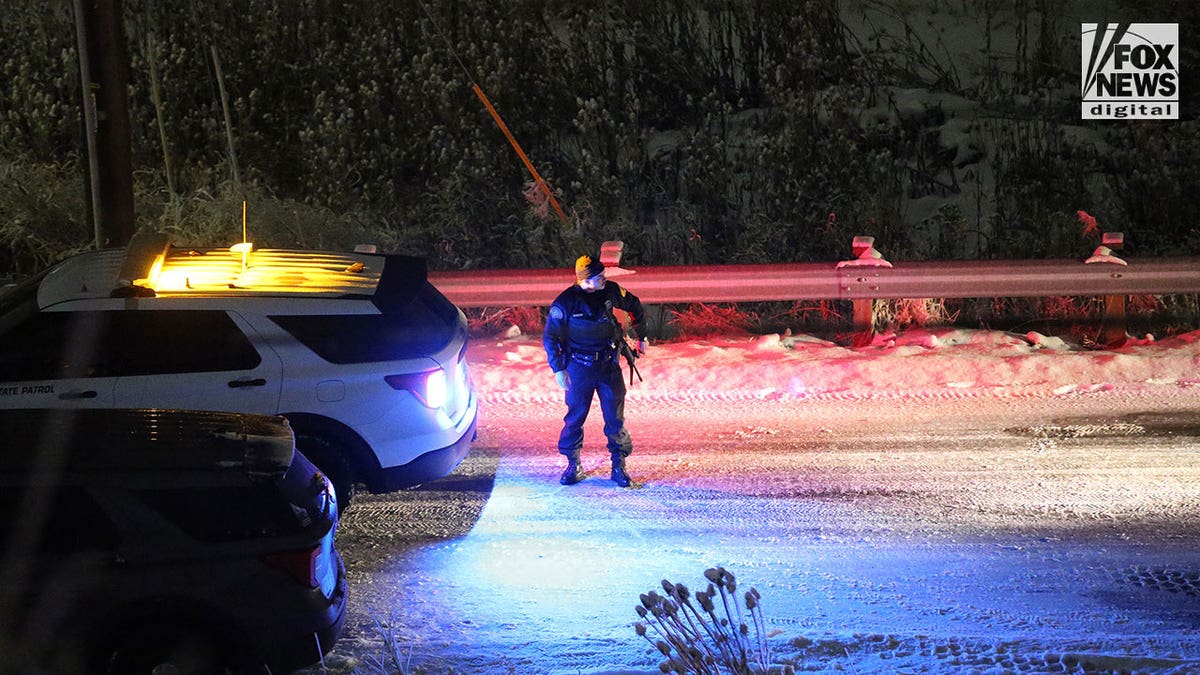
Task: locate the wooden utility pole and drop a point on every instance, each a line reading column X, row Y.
column 104, row 70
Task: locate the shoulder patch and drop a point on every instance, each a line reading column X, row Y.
column 556, row 313
column 622, row 291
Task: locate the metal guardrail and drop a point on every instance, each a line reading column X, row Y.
column 862, row 280
column 826, row 281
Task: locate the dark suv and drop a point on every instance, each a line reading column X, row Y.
column 150, row 541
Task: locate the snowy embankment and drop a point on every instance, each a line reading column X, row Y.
column 945, row 362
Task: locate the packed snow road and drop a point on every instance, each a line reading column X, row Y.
column 1025, row 530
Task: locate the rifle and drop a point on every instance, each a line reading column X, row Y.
column 621, row 344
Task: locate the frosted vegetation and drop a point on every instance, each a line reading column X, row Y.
column 695, row 132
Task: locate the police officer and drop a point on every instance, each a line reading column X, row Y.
column 580, row 341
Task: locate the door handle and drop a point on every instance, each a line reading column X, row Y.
column 256, row 382
column 74, row 395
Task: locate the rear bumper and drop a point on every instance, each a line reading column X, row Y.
column 298, row 651
column 427, row 467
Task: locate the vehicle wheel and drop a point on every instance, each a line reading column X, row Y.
column 152, row 649
column 333, row 464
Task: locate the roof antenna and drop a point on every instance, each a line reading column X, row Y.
column 245, row 247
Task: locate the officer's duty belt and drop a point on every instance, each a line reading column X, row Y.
column 588, row 358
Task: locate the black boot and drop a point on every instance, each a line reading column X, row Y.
column 573, row 473
column 618, row 471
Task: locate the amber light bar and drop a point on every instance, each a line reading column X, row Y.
column 264, row 270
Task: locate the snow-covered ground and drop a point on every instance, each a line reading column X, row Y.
column 946, row 362
column 943, row 501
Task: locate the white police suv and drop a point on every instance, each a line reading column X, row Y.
column 362, row 355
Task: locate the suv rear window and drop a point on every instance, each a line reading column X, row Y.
column 424, row 325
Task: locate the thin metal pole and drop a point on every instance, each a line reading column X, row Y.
column 89, row 122
column 228, row 119
column 156, row 96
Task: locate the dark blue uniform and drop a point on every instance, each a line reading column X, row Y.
column 579, row 338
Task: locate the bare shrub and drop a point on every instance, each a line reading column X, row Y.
column 709, row 633
column 394, row 655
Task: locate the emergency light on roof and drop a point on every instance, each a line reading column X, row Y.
column 242, row 268
column 243, row 248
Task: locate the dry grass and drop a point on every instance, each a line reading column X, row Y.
column 905, row 313
column 704, row 320
column 490, row 321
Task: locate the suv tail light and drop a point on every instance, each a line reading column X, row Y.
column 429, row 386
column 300, row 565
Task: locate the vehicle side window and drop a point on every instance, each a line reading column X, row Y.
column 168, row 341
column 56, row 345
column 422, row 327
column 53, row 345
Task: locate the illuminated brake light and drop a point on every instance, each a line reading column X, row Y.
column 299, row 565
column 435, row 389
column 429, row 386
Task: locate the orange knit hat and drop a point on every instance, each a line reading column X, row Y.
column 586, row 267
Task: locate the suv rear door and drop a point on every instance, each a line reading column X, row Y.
column 193, row 359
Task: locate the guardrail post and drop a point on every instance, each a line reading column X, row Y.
column 1114, row 333
column 864, row 322
column 610, row 253
column 865, row 255
column 1112, row 325
column 610, row 257
column 864, row 308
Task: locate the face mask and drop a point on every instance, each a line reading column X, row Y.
column 592, row 284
